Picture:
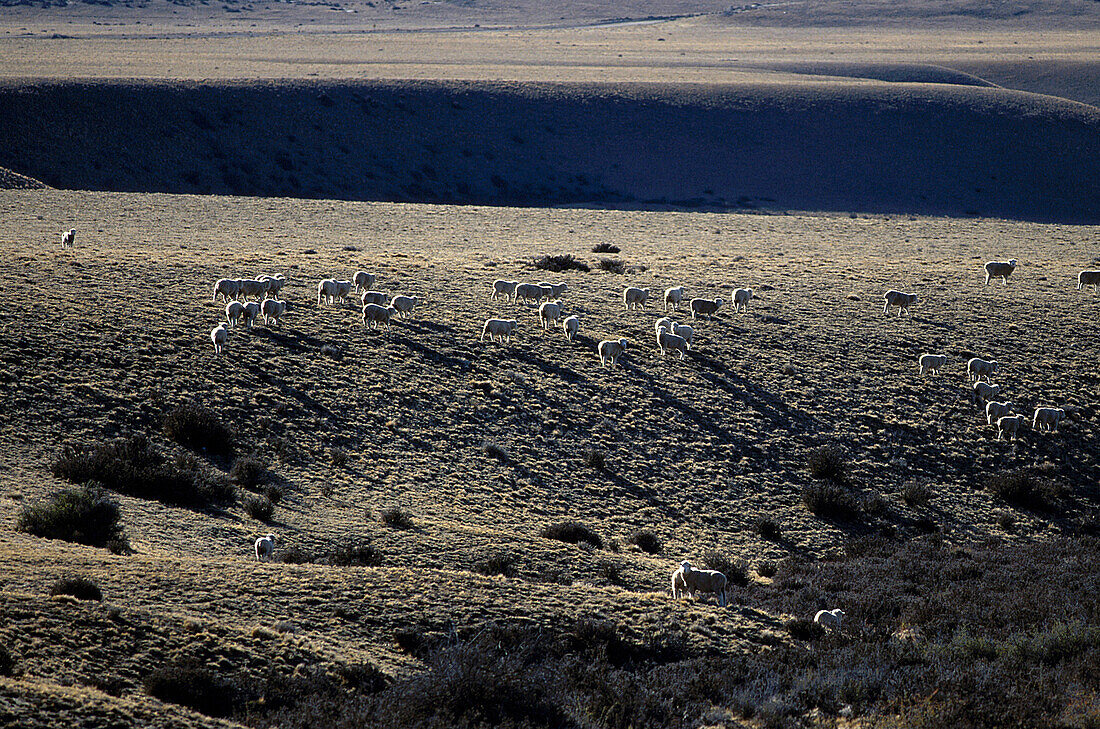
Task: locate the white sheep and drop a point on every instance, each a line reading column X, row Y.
column 378, row 316
column 374, row 297
column 995, row 410
column 275, row 284
column 899, row 299
column 265, row 547
column 685, row 332
column 741, row 299
column 674, row 297
column 326, row 291
column 666, row 340
column 556, row 289
column 984, row 392
column 829, row 619
column 692, row 581
column 343, row 290
column 610, row 350
column 664, row 322
column 499, row 329
column 1047, row 418
column 571, row 325
column 404, row 305
column 251, row 313
column 635, row 297
column 549, row 313
column 363, row 281
column 272, row 310
column 976, row 369
column 68, row 239
column 708, row 307
column 1088, row 278
column 1009, row 425
column 932, row 363
column 234, row 310
column 528, row 292
column 252, row 287
column 999, row 269
column 503, row 288
column 227, row 288
column 219, row 335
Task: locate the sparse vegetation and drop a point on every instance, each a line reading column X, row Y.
column 397, row 518
column 572, row 532
column 198, row 428
column 560, row 263
column 79, row 587
column 85, row 515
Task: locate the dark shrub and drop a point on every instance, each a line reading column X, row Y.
column 397, row 518
column 198, row 428
column 647, row 541
column 332, row 352
column 258, row 507
column 248, row 472
column 916, row 494
column 492, row 450
column 294, row 554
column 829, row 500
column 611, row 572
column 189, row 685
column 768, row 528
column 611, row 265
column 85, row 516
column 594, row 458
column 767, row 569
column 735, row 570
column 1006, row 519
column 360, row 554
column 560, row 263
column 828, row 462
column 571, row 532
column 605, row 248
column 339, row 457
column 497, row 564
column 1024, row 491
column 7, row 663
column 79, row 587
column 804, row 629
column 273, row 493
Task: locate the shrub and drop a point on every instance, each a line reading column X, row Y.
column 571, row 532
column 804, row 629
column 189, row 685
column 647, row 541
column 557, row 264
column 248, row 472
column 85, row 516
column 916, row 493
column 1022, row 490
column 611, row 572
column 829, row 500
column 273, row 493
column 735, row 570
column 594, row 458
column 258, row 507
column 496, row 564
column 79, row 587
column 611, row 265
column 768, row 528
column 492, row 450
column 198, row 428
column 339, row 457
column 359, row 554
column 7, row 662
column 294, row 554
column 397, row 518
column 828, row 462
column 605, row 248
column 767, row 569
column 1005, row 519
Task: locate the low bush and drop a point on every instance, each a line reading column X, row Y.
column 605, row 248
column 79, row 587
column 735, row 570
column 7, row 661
column 1025, row 491
column 496, row 564
column 804, row 629
column 258, row 507
column 353, row 553
column 646, row 541
column 828, row 462
column 190, row 685
column 84, row 515
column 768, row 528
column 397, row 518
column 198, row 428
column 830, row 500
column 557, row 264
column 916, row 493
column 571, row 532
column 493, row 450
column 611, row 265
column 594, row 458
column 248, row 472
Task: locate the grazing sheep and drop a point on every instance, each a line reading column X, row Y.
column 549, row 313
column 674, row 297
column 275, row 284
column 1088, row 278
column 1009, row 425
column 272, row 310
column 1047, row 418
column 700, row 307
column 499, row 329
column 666, row 340
column 901, row 300
column 68, row 239
column 227, row 288
column 374, row 297
column 378, row 316
column 932, row 363
column 610, row 350
column 829, row 619
column 741, row 299
column 688, row 579
column 664, row 322
column 343, row 290
column 265, row 547
column 634, row 297
column 251, row 313
column 252, row 287
column 404, row 305
column 219, row 335
column 984, row 392
column 326, row 291
column 999, row 269
column 571, row 325
column 528, row 292
column 994, row 411
column 978, row 368
column 363, row 281
column 684, row 331
column 505, row 288
column 234, row 310
column 556, row 290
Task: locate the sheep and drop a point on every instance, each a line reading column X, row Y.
column 1047, row 418
column 829, row 619
column 227, row 288
column 265, row 547
column 343, row 290
column 556, row 290
column 378, row 316
column 527, row 292
column 234, row 310
column 610, row 350
column 1088, row 278
column 363, row 281
column 505, row 288
column 272, row 309
column 326, row 291
column 219, row 335
column 374, row 297
column 571, row 325
column 252, row 287
column 704, row 306
column 978, row 368
column 549, row 313
column 741, row 299
column 685, row 332
column 68, row 240
column 984, row 392
column 1009, row 425
column 404, row 305
column 994, row 411
column 901, row 300
column 663, row 323
column 275, row 284
column 932, row 363
column 634, row 297
column 500, row 329
column 674, row 297
column 666, row 340
column 688, row 579
column 1001, row 269
column 251, row 313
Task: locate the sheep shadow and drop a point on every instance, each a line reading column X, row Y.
column 293, row 340
column 440, row 358
column 763, row 401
